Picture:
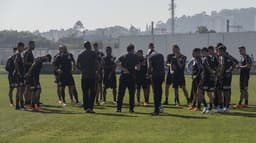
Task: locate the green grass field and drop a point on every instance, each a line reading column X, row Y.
column 71, row 124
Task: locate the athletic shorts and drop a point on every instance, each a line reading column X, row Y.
column 244, row 81
column 109, row 82
column 179, row 81
column 227, row 80
column 209, row 85
column 20, row 81
column 169, row 79
column 12, row 81
column 66, row 80
column 34, row 84
column 195, row 85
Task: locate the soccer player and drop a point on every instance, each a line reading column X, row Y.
column 34, row 82
column 68, row 65
column 87, row 62
column 56, row 65
column 99, row 77
column 12, row 82
column 109, row 78
column 141, row 79
column 169, row 79
column 197, row 69
column 209, row 79
column 245, row 67
column 157, row 70
column 19, row 73
column 128, row 63
column 226, row 66
column 28, row 61
column 178, row 67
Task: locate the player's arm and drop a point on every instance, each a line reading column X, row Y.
column 248, row 63
column 119, row 65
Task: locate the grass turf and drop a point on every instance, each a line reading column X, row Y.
column 71, row 124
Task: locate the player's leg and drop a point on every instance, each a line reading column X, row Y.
column 121, row 93
column 138, row 92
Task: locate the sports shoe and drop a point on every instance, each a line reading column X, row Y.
column 161, row 109
column 118, row 111
column 64, row 104
column 220, row 110
column 60, row 102
column 78, row 104
column 102, row 103
column 237, row 106
column 208, row 111
column 155, row 114
column 226, row 110
column 166, row 103
column 196, row 109
column 114, row 102
column 146, row 104
column 131, row 111
column 204, row 110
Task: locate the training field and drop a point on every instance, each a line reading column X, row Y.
column 71, row 125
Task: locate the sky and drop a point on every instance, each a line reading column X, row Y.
column 44, row 15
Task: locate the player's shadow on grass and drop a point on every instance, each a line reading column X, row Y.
column 116, row 115
column 240, row 114
column 174, row 115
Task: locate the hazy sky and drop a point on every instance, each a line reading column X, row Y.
column 57, row 14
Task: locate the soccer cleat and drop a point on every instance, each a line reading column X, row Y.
column 166, row 103
column 114, row 102
column 177, row 105
column 60, row 102
column 131, row 111
column 155, row 114
column 196, row 109
column 12, row 105
column 138, row 104
column 220, row 110
column 118, row 111
column 146, row 104
column 64, row 104
column 72, row 101
column 102, row 103
column 204, row 110
column 237, row 106
column 78, row 104
column 226, row 110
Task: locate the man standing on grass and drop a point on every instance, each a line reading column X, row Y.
column 245, row 68
column 19, row 73
column 225, row 68
column 169, row 78
column 99, row 77
column 87, row 62
column 12, row 82
column 56, row 65
column 157, row 72
column 141, row 79
column 128, row 63
column 34, row 82
column 178, row 67
column 67, row 67
column 109, row 78
column 28, row 61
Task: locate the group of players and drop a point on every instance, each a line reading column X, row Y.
column 211, row 73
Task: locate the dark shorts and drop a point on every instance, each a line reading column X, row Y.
column 34, row 84
column 169, row 79
column 141, row 82
column 110, row 82
column 20, row 81
column 12, row 81
column 227, row 80
column 195, row 85
column 209, row 85
column 179, row 81
column 66, row 79
column 244, row 81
